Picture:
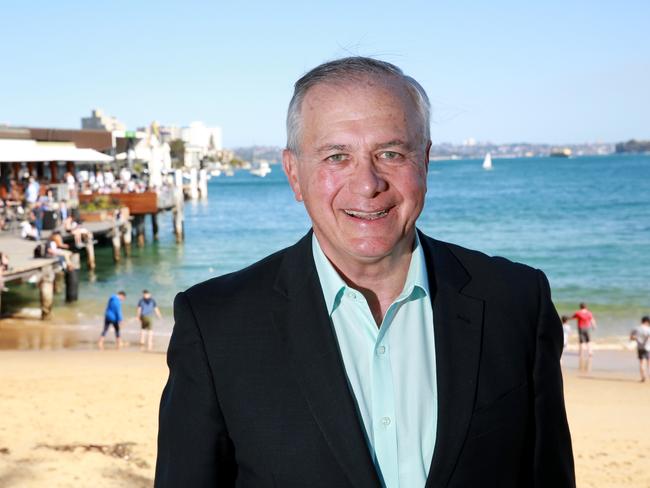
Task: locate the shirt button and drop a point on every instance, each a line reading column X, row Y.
column 352, row 295
column 381, row 350
column 385, row 421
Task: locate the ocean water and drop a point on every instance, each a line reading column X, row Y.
column 585, row 221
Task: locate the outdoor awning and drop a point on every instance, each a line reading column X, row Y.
column 17, row 151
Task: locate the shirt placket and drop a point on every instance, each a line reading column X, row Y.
column 384, row 422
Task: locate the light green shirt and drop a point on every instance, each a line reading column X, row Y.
column 391, row 369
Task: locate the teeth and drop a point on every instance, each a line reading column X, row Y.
column 367, row 215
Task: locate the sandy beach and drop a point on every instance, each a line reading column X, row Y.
column 74, row 418
column 86, row 418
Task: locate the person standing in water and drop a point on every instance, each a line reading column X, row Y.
column 586, row 323
column 113, row 316
column 147, row 306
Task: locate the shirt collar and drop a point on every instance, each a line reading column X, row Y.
column 333, row 285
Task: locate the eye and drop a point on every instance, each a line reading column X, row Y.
column 390, row 155
column 337, row 158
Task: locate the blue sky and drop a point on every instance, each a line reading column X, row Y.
column 496, row 71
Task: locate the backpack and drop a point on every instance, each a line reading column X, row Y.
column 40, row 251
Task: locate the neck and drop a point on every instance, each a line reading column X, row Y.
column 380, row 280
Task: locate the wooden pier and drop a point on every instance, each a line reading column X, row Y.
column 23, row 266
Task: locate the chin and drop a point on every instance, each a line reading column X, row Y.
column 371, row 247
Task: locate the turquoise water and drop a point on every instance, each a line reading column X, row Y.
column 585, row 221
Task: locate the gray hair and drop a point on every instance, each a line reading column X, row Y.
column 350, row 69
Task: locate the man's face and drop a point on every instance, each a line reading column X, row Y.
column 362, row 168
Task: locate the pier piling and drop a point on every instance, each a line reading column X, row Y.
column 194, row 185
column 46, row 286
column 154, row 226
column 127, row 236
column 117, row 242
column 138, row 221
column 71, row 285
column 59, row 279
column 177, row 212
column 90, row 251
column 203, row 184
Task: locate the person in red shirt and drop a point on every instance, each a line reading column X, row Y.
column 586, row 322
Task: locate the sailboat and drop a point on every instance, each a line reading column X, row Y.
column 487, row 162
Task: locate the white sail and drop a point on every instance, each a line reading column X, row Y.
column 487, row 162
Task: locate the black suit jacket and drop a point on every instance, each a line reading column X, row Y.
column 257, row 394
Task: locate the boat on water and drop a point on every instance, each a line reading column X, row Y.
column 487, row 162
column 561, row 153
column 261, row 169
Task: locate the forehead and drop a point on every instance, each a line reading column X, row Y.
column 363, row 99
column 383, row 89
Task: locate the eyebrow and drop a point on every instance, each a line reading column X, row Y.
column 332, row 147
column 393, row 143
column 345, row 147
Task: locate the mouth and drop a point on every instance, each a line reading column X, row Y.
column 357, row 214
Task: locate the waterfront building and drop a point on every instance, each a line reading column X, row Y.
column 101, row 121
column 145, row 145
column 201, row 142
column 169, row 133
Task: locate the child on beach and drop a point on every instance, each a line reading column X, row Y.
column 147, row 306
column 641, row 334
column 113, row 316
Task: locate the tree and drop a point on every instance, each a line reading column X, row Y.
column 177, row 151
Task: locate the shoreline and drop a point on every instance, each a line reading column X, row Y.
column 71, row 331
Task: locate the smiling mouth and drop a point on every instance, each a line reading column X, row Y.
column 367, row 215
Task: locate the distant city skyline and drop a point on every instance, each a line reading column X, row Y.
column 501, row 72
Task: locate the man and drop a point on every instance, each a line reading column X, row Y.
column 586, row 322
column 147, row 306
column 367, row 354
column 641, row 334
column 32, row 192
column 113, row 316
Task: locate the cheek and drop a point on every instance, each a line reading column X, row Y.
column 413, row 187
column 324, row 186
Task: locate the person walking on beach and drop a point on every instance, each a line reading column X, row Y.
column 586, row 322
column 641, row 334
column 147, row 306
column 113, row 316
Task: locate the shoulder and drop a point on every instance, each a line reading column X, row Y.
column 492, row 278
column 482, row 266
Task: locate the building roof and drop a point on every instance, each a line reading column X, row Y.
column 100, row 140
column 23, row 150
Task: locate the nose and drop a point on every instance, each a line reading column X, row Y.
column 365, row 180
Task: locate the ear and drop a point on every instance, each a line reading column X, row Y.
column 427, row 155
column 290, row 166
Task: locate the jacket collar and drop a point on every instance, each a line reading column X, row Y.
column 304, row 327
column 458, row 326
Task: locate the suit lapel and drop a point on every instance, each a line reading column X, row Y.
column 458, row 321
column 305, row 330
